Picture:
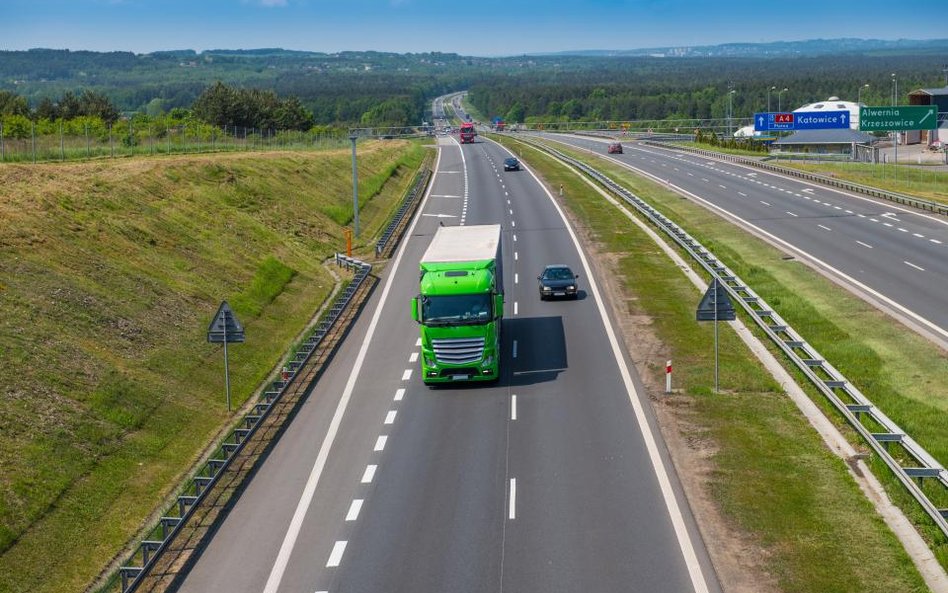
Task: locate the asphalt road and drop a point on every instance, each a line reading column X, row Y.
column 896, row 257
column 550, row 480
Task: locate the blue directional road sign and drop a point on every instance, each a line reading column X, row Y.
column 807, row 120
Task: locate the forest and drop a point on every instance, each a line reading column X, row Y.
column 296, row 90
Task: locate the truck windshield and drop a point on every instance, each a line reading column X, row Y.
column 464, row 309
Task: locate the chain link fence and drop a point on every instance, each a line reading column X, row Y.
column 69, row 142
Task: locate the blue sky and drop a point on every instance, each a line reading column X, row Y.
column 482, row 28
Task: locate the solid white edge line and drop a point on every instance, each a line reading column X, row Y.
column 369, row 474
column 335, row 557
column 689, row 555
column 512, row 514
column 354, row 509
column 296, row 523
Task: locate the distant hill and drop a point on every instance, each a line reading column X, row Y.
column 779, row 49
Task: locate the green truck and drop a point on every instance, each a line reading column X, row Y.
column 460, row 305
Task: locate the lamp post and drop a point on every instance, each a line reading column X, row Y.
column 895, row 89
column 773, row 88
column 355, row 187
column 730, row 110
column 859, row 94
column 779, row 96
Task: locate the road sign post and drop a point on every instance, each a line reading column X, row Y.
column 225, row 328
column 898, row 118
column 716, row 306
column 803, row 120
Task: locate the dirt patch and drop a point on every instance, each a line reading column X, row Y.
column 739, row 562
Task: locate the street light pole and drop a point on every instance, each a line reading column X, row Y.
column 773, row 88
column 895, row 89
column 859, row 94
column 779, row 96
column 355, row 188
column 730, row 111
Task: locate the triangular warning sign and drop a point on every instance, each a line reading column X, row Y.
column 716, row 298
column 225, row 325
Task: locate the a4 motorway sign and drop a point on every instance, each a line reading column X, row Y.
column 898, row 117
column 826, row 120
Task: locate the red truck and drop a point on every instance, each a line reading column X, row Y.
column 467, row 133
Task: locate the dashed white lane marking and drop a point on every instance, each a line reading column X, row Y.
column 515, row 348
column 515, row 238
column 849, row 212
column 837, row 207
column 413, row 357
column 887, row 224
column 390, row 417
column 511, row 212
column 911, row 265
column 516, row 308
column 406, row 375
column 825, row 228
column 335, row 557
column 740, row 193
column 705, row 179
column 722, row 186
column 513, row 499
column 513, row 407
column 515, row 256
column 793, row 215
column 874, row 219
column 399, row 394
column 507, row 194
column 868, row 246
column 920, row 236
column 513, row 223
column 901, row 230
column 861, row 215
column 380, row 443
column 691, row 174
column 765, row 203
column 369, row 474
column 418, row 342
column 516, row 278
column 935, row 241
column 354, row 509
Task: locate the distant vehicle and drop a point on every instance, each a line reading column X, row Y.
column 511, row 164
column 615, row 148
column 557, row 280
column 499, row 126
column 467, row 133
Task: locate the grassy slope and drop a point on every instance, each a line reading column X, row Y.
column 772, row 479
column 109, row 274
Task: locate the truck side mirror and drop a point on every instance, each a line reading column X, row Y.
column 414, row 308
column 498, row 305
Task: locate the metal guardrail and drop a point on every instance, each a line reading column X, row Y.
column 875, row 192
column 408, row 204
column 882, row 435
column 191, row 495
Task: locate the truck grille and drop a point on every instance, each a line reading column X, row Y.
column 458, row 350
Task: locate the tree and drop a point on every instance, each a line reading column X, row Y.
column 97, row 104
column 13, row 104
column 47, row 110
column 69, row 106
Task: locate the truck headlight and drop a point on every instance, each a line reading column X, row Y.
column 488, row 360
column 429, row 362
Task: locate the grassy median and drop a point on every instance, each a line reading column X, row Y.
column 770, row 476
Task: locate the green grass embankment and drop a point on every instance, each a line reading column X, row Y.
column 109, row 275
column 800, row 521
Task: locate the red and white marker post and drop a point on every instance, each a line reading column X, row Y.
column 668, row 377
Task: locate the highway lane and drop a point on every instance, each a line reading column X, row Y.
column 898, row 255
column 545, row 481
